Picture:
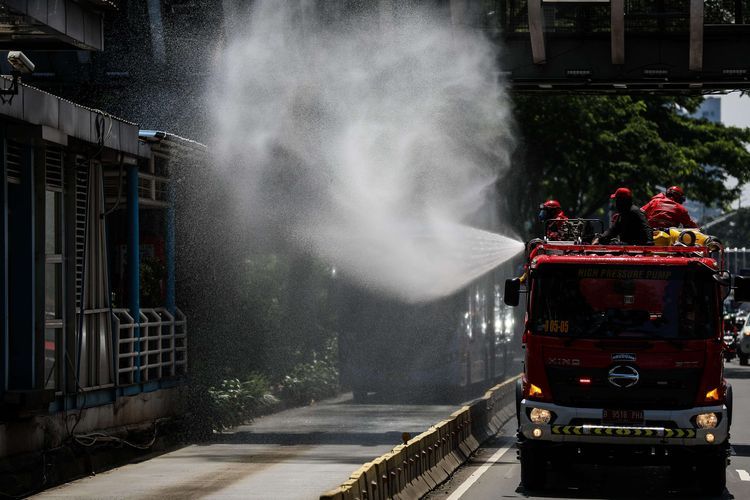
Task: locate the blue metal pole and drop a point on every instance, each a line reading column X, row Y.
column 134, row 262
column 170, row 250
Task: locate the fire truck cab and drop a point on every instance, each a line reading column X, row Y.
column 623, row 360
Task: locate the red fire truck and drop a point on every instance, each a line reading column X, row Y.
column 623, row 358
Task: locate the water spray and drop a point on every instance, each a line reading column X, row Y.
column 369, row 145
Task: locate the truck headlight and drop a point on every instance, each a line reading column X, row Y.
column 706, row 420
column 540, row 416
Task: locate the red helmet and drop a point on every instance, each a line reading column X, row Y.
column 676, row 193
column 550, row 209
column 622, row 192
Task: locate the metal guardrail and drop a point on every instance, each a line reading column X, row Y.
column 151, row 349
column 737, row 259
column 412, row 469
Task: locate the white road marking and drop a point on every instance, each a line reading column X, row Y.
column 478, row 473
column 744, row 476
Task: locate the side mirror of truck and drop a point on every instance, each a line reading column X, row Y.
column 741, row 288
column 512, row 292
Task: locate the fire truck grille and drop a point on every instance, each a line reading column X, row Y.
column 655, row 389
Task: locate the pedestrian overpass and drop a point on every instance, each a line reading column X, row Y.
column 617, row 46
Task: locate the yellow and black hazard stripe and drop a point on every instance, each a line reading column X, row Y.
column 679, row 433
column 579, row 430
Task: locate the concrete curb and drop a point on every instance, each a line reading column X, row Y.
column 411, row 470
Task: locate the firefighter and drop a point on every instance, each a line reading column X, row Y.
column 629, row 222
column 550, row 210
column 665, row 210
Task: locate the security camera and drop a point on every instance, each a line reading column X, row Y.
column 20, row 62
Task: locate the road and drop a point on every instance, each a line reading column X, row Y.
column 495, row 473
column 295, row 454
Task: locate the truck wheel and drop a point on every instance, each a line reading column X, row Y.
column 743, row 358
column 519, row 397
column 713, row 475
column 533, row 471
column 730, row 405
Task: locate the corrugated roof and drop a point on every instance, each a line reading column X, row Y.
column 38, row 107
column 104, row 3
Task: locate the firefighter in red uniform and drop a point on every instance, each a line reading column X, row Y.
column 548, row 211
column 665, row 210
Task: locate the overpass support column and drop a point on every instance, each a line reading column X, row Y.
column 4, row 343
column 617, row 13
column 459, row 10
column 386, row 12
column 696, row 35
column 536, row 30
column 157, row 31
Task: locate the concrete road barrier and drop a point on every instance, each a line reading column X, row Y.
column 411, row 470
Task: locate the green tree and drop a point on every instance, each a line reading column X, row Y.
column 579, row 148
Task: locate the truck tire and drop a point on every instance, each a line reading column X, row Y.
column 519, row 397
column 730, row 405
column 533, row 470
column 743, row 358
column 712, row 472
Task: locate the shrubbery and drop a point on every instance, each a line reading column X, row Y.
column 309, row 382
column 234, row 402
column 263, row 333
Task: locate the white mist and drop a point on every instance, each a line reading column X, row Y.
column 369, row 144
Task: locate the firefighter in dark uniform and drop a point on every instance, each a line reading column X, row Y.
column 629, row 222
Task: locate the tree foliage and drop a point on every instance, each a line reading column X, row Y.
column 578, row 149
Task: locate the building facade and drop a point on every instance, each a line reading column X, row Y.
column 91, row 335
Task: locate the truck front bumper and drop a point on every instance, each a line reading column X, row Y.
column 584, row 425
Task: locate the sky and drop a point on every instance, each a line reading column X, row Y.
column 735, row 110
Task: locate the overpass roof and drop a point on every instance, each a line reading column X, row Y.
column 618, row 46
column 63, row 24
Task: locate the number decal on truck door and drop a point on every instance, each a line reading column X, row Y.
column 556, row 326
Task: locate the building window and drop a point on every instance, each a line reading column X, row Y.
column 53, row 285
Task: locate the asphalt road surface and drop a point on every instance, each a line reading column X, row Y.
column 495, row 473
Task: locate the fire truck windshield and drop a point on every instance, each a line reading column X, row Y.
column 623, row 301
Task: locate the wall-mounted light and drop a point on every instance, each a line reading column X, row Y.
column 21, row 65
